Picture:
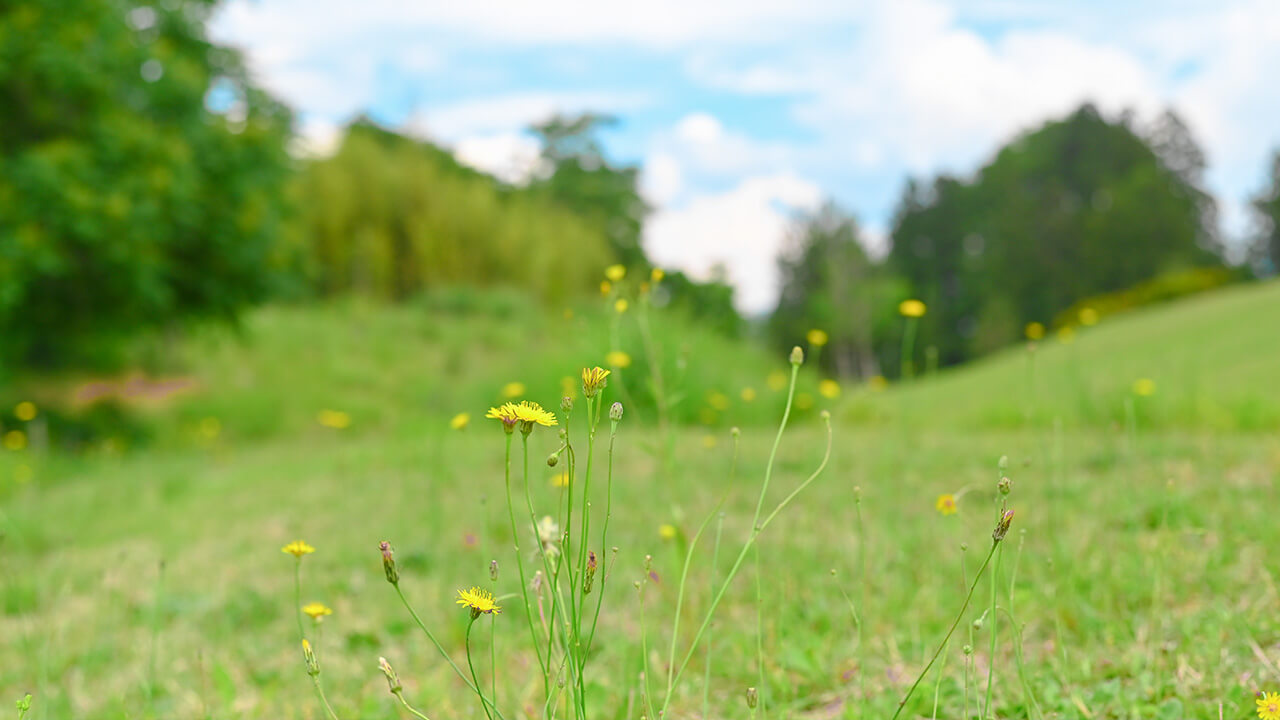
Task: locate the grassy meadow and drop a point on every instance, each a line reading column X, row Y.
column 142, row 577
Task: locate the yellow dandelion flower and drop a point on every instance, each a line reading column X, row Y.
column 656, row 275
column 460, row 420
column 1034, row 331
column 336, row 419
column 667, row 532
column 1144, row 387
column 606, row 287
column 298, row 548
column 877, row 383
column 531, row 413
column 595, row 379
column 513, row 389
column 946, row 504
column 620, row 306
column 15, row 440
column 1088, row 316
column 817, row 338
column 1268, row 706
column 829, row 389
column 804, row 401
column 777, row 380
column 615, row 273
column 911, row 308
column 618, row 359
column 479, row 601
column 561, row 480
column 718, row 400
column 316, row 611
column 506, row 413
column 748, row 394
column 1066, row 335
column 25, row 411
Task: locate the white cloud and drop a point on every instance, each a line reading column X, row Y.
column 515, row 111
column 511, row 157
column 315, row 137
column 661, row 179
column 741, row 230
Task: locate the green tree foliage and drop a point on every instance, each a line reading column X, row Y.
column 389, row 216
column 1265, row 249
column 138, row 175
column 1080, row 207
column 830, row 284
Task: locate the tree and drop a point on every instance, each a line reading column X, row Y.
column 139, row 175
column 1264, row 252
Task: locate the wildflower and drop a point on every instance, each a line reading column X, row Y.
column 667, row 532
column 553, row 459
column 1268, row 706
column 911, row 308
column 1088, row 316
column 615, row 273
column 309, row 657
column 561, row 480
column 393, row 680
column 816, row 337
column 479, row 601
column 753, row 697
column 389, row 563
column 1144, row 387
column 1034, row 331
column 460, row 420
column 748, row 394
column 507, row 414
column 1005, row 486
column 298, row 548
column 656, row 275
column 336, row 419
column 605, row 287
column 531, row 413
column 316, row 611
column 618, row 359
column 829, row 389
column 15, row 440
column 946, row 504
column 493, row 570
column 513, row 389
column 594, row 380
column 25, row 411
column 797, row 356
column 1002, row 527
column 620, row 305
column 615, row 412
column 718, row 400
column 777, row 380
column 877, row 383
column 591, row 572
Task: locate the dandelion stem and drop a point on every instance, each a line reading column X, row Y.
column 764, row 692
column 715, row 556
column 484, row 703
column 862, row 602
column 604, row 533
column 315, row 679
column 524, row 585
column 684, row 576
column 410, row 708
column 991, row 659
column 947, row 639
column 297, row 596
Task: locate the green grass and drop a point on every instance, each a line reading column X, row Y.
column 1144, row 548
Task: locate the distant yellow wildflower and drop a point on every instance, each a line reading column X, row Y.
column 336, row 419
column 460, row 420
column 298, row 548
column 618, row 359
column 656, row 275
column 748, row 394
column 316, row 610
column 1088, row 316
column 620, row 305
column 911, row 308
column 667, row 532
column 1034, row 331
column 513, row 390
column 877, row 383
column 1066, row 335
column 25, row 411
column 606, row 287
column 829, row 389
column 506, row 413
column 531, row 413
column 946, row 504
column 15, row 440
column 561, row 480
column 615, row 273
column 777, row 380
column 596, row 379
column 718, row 400
column 817, row 338
column 1268, row 706
column 479, row 601
column 1144, row 387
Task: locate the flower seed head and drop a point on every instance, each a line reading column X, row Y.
column 566, row 404
column 493, row 570
column 553, row 459
column 615, row 412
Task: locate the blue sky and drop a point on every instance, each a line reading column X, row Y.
column 744, row 113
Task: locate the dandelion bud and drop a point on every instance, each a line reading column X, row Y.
column 1005, row 485
column 591, row 572
column 977, row 624
column 566, row 404
column 968, row 649
column 615, row 412
column 1002, row 528
column 309, row 656
column 797, row 355
column 24, row 705
column 393, row 680
column 753, row 698
column 735, row 431
column 493, row 570
column 553, row 459
column 833, row 572
column 563, row 434
column 964, row 546
column 389, row 563
column 648, row 562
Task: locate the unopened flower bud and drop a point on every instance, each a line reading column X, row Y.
column 493, row 570
column 309, row 656
column 1005, row 485
column 562, row 434
column 393, row 680
column 648, row 562
column 389, row 563
column 977, row 624
column 1002, row 528
column 968, row 649
column 553, row 459
column 591, row 572
column 566, row 404
column 615, row 412
column 735, row 431
column 753, row 698
column 825, row 414
column 797, row 355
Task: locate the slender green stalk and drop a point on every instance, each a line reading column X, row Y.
column 1017, row 631
column 524, row 585
column 604, row 533
column 315, row 679
column 902, row 703
column 684, row 577
column 937, row 686
column 991, row 660
column 484, row 703
column 493, row 658
column 410, row 708
column 644, row 653
column 297, row 596
column 764, row 692
column 715, row 557
column 908, row 349
column 862, row 602
column 156, row 601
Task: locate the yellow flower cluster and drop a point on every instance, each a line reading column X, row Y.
column 527, row 413
column 911, row 308
column 298, row 548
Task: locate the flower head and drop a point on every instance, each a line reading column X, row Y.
column 829, row 389
column 336, row 419
column 594, row 380
column 1034, row 330
column 507, row 413
column 298, row 548
column 656, row 275
column 512, row 389
column 1088, row 316
column 748, row 394
column 1144, row 387
column 479, row 601
column 620, row 305
column 946, row 504
column 460, row 420
column 316, row 610
column 25, row 411
column 605, row 287
column 667, row 532
column 911, row 308
column 816, row 337
column 615, row 272
column 531, row 413
column 1269, row 706
column 617, row 359
column 389, row 562
column 561, row 480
